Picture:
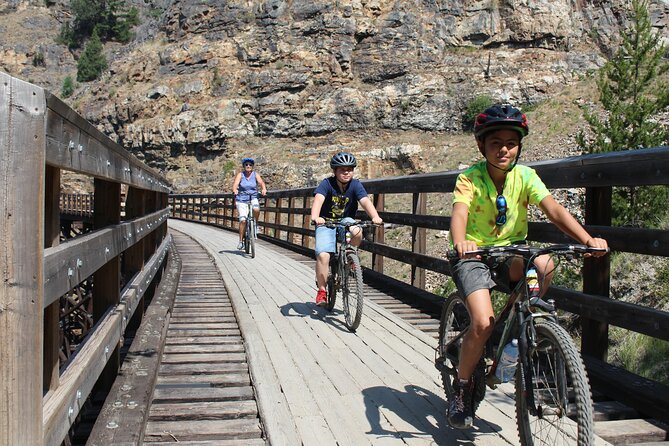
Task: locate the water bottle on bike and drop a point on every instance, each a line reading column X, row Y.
column 506, row 368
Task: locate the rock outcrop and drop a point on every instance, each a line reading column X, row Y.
column 205, row 82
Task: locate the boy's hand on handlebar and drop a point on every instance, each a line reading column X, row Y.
column 466, row 246
column 377, row 220
column 597, row 243
column 318, row 221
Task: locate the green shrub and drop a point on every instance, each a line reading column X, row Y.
column 68, row 87
column 475, row 106
column 92, row 62
column 38, row 59
column 643, row 355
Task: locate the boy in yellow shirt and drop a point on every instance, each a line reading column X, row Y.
column 490, row 205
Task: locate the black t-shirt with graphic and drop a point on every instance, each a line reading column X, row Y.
column 338, row 205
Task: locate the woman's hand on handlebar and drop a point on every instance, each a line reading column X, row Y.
column 377, row 220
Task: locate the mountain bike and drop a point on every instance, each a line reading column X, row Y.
column 250, row 232
column 552, row 393
column 345, row 275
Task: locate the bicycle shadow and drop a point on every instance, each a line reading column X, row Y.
column 235, row 252
column 393, row 407
column 313, row 311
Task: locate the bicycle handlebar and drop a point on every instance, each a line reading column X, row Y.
column 527, row 251
column 337, row 224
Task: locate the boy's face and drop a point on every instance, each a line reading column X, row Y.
column 344, row 174
column 500, row 147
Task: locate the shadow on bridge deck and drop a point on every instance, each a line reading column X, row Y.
column 316, row 383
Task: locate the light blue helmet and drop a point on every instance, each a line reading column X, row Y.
column 248, row 160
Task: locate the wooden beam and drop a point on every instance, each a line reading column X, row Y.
column 107, row 279
column 596, row 273
column 380, row 236
column 71, row 262
column 52, row 332
column 418, row 240
column 22, row 141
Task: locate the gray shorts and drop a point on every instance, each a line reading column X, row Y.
column 472, row 275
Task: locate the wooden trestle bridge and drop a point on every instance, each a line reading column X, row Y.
column 127, row 316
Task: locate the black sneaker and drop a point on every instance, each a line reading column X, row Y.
column 460, row 406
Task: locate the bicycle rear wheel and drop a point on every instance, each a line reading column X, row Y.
column 453, row 327
column 252, row 238
column 560, row 391
column 352, row 296
column 332, row 293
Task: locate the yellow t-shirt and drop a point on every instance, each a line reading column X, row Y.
column 475, row 188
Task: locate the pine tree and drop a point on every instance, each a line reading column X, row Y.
column 632, row 91
column 92, row 62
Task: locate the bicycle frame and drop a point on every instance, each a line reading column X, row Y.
column 519, row 314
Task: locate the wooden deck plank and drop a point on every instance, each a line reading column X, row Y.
column 205, row 410
column 201, row 430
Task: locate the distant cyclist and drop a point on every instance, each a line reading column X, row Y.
column 245, row 188
column 337, row 198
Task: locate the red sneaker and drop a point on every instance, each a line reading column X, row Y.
column 321, row 298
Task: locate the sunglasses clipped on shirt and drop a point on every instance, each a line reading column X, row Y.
column 500, row 202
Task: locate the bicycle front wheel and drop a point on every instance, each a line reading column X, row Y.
column 352, row 296
column 553, row 400
column 247, row 238
column 252, row 238
column 332, row 292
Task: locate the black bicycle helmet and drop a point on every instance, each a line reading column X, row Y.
column 343, row 159
column 501, row 117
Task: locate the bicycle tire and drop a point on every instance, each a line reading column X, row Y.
column 560, row 390
column 247, row 245
column 252, row 238
column 454, row 322
column 352, row 292
column 332, row 293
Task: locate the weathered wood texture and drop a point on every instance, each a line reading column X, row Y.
column 377, row 386
column 22, row 133
column 81, row 373
column 77, row 145
column 39, row 136
column 203, row 387
column 124, row 414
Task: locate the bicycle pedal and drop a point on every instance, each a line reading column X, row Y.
column 492, row 381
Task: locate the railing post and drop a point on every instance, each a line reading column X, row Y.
column 22, row 151
column 306, row 220
column 52, row 335
column 265, row 229
column 377, row 260
column 106, row 280
column 418, row 239
column 291, row 219
column 596, row 272
column 134, row 257
column 277, row 218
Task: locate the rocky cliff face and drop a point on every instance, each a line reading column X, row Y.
column 289, row 82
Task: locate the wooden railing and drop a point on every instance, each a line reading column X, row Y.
column 285, row 220
column 39, row 137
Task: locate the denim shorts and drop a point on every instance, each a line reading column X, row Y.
column 243, row 208
column 472, row 275
column 325, row 237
